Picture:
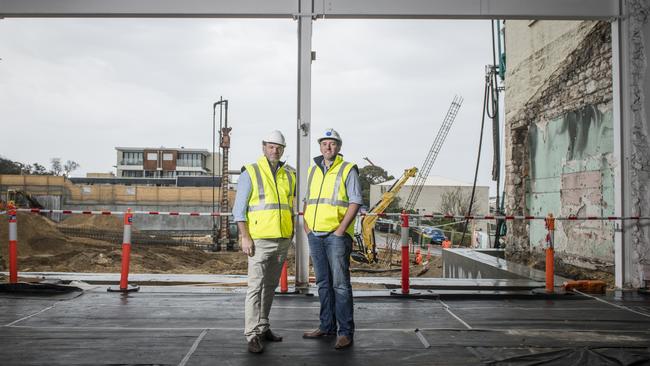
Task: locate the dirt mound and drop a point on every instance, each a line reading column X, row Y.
column 101, row 222
column 37, row 235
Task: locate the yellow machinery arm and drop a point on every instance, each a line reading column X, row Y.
column 368, row 222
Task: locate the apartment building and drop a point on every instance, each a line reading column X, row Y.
column 162, row 162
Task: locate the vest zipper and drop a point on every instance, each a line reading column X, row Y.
column 277, row 193
column 318, row 200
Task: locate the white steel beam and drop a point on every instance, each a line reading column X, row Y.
column 393, row 9
column 631, row 121
column 620, row 71
column 148, row 8
column 304, row 138
column 471, row 9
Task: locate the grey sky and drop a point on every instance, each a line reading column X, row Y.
column 76, row 88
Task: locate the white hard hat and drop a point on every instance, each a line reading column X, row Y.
column 275, row 137
column 331, row 134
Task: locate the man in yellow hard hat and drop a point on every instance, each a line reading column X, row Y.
column 263, row 210
column 333, row 199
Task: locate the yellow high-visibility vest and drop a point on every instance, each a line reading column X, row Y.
column 327, row 197
column 270, row 205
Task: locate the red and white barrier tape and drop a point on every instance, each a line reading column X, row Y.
column 439, row 216
column 108, row 213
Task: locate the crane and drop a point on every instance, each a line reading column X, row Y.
column 423, row 173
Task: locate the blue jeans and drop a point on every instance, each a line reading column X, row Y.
column 330, row 256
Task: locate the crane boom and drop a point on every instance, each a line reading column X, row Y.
column 420, row 179
column 367, row 247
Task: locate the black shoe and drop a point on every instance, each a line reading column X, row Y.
column 267, row 335
column 255, row 345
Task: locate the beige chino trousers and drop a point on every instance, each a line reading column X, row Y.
column 264, row 270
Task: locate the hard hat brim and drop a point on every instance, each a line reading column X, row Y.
column 276, row 143
column 328, row 138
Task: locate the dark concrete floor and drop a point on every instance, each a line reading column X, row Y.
column 195, row 325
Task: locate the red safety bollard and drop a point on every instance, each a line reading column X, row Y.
column 550, row 254
column 405, row 252
column 284, row 278
column 126, row 256
column 13, row 243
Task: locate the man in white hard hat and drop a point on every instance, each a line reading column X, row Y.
column 263, row 210
column 333, row 199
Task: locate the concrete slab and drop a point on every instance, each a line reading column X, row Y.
column 187, row 325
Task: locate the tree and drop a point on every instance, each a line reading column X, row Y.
column 368, row 175
column 455, row 202
column 37, row 169
column 55, row 163
column 69, row 166
column 9, row 167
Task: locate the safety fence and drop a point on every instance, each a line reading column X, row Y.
column 127, row 237
column 142, row 238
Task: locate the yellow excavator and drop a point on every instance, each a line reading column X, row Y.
column 366, row 251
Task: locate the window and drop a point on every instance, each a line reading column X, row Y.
column 131, row 173
column 152, row 156
column 189, row 174
column 190, row 160
column 168, row 157
column 132, row 158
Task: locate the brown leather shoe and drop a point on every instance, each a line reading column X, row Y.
column 317, row 333
column 255, row 345
column 267, row 335
column 343, row 342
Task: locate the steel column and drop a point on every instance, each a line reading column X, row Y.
column 619, row 97
column 303, row 129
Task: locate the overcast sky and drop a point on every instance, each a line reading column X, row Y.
column 77, row 88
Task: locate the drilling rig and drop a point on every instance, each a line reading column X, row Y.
column 224, row 237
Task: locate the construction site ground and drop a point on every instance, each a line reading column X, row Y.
column 203, row 325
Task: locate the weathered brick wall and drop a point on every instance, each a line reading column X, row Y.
column 581, row 83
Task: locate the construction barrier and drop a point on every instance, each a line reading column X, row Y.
column 13, row 243
column 284, row 278
column 126, row 256
column 418, row 257
column 435, row 216
column 550, row 255
column 405, row 253
column 587, row 286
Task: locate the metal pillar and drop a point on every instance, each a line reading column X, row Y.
column 620, row 97
column 304, row 17
column 628, row 116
